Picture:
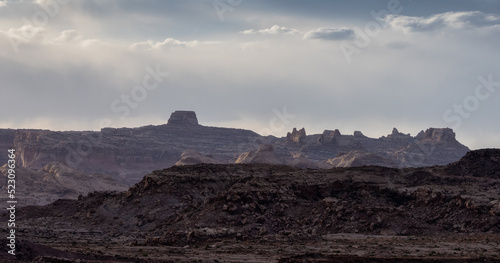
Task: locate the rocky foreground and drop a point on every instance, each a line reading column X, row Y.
column 276, row 213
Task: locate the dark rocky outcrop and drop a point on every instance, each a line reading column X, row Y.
column 182, row 118
column 359, row 134
column 479, row 163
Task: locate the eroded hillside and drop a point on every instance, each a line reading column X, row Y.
column 205, row 208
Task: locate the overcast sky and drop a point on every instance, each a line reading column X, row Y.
column 265, row 65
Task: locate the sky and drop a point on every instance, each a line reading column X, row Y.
column 264, row 65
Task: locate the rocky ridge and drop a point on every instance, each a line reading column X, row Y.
column 212, row 205
column 128, row 153
column 480, row 163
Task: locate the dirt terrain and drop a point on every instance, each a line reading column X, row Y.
column 277, row 213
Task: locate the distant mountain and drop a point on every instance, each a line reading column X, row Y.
column 129, row 153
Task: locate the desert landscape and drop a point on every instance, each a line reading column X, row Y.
column 285, row 131
column 261, row 210
column 52, row 165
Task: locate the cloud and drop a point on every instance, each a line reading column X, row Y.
column 74, row 37
column 167, row 43
column 398, row 44
column 69, row 36
column 24, row 35
column 41, row 2
column 8, row 2
column 27, row 32
column 274, row 30
column 335, row 33
column 170, row 42
column 454, row 20
column 91, row 42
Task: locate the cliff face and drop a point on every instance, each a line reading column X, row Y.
column 480, row 163
column 435, row 146
column 183, row 118
column 128, row 153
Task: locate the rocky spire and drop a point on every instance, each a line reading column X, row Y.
column 296, row 136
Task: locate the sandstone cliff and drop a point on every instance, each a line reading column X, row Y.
column 128, row 153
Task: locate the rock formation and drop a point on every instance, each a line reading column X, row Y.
column 396, row 135
column 183, row 118
column 265, row 154
column 128, row 153
column 480, row 163
column 297, row 137
column 56, row 181
column 190, row 157
column 356, row 158
column 359, row 134
column 329, row 137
